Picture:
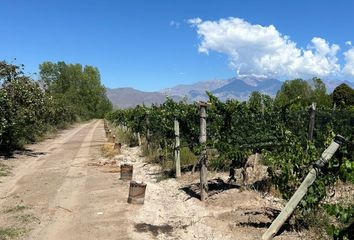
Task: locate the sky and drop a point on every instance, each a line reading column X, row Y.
column 151, row 45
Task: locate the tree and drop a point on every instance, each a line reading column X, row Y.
column 29, row 108
column 343, row 96
column 259, row 102
column 295, row 93
column 299, row 94
column 23, row 105
column 319, row 94
column 79, row 88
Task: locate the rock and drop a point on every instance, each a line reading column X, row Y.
column 254, row 170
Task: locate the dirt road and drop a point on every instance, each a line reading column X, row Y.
column 62, row 197
column 60, row 190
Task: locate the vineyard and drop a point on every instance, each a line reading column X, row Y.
column 289, row 135
column 289, row 132
column 177, row 120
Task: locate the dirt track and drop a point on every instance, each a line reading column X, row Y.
column 69, row 199
column 66, row 196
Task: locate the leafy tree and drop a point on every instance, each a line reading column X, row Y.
column 299, row 94
column 29, row 108
column 295, row 94
column 23, row 105
column 76, row 87
column 259, row 102
column 319, row 94
column 343, row 96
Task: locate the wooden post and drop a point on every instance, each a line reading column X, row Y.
column 118, row 146
column 177, row 149
column 204, row 157
column 139, row 139
column 301, row 191
column 109, row 134
column 166, row 149
column 312, row 111
column 148, row 133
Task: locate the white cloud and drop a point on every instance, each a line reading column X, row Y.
column 263, row 50
column 348, row 68
column 348, row 43
column 175, row 24
column 194, row 21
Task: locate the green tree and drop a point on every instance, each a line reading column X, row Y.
column 343, row 96
column 299, row 94
column 29, row 108
column 259, row 102
column 78, row 88
column 295, row 94
column 319, row 94
column 23, row 104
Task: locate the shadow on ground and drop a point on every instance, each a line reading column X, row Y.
column 215, row 186
column 23, row 152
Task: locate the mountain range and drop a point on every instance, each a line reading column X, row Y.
column 233, row 88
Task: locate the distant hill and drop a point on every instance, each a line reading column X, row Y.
column 233, row 88
column 239, row 88
column 332, row 84
column 242, row 88
column 196, row 88
column 130, row 97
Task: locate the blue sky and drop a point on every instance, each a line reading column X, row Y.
column 151, row 45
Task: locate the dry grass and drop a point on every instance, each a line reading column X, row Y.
column 108, row 150
column 187, row 156
column 17, row 208
column 4, row 169
column 27, row 218
column 125, row 136
column 11, row 233
column 151, row 154
column 16, row 221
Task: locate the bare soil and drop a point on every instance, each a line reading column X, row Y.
column 63, row 188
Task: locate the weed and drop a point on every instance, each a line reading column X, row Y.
column 4, row 170
column 27, row 218
column 11, row 233
column 187, row 156
column 108, row 150
column 17, row 208
column 125, row 136
column 162, row 177
column 152, row 153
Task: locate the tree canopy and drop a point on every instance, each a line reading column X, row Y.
column 300, row 93
column 78, row 87
column 65, row 93
column 343, row 96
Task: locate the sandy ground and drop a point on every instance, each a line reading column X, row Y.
column 64, row 189
column 169, row 212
